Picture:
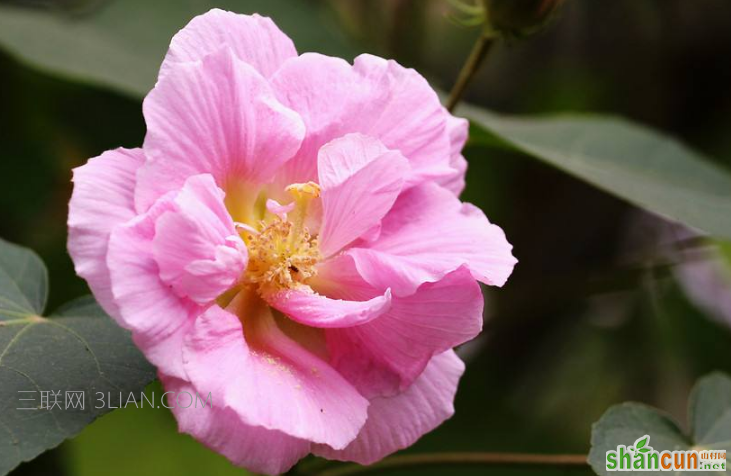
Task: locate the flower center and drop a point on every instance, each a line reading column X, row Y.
column 282, row 253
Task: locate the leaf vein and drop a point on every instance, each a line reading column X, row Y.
column 88, row 347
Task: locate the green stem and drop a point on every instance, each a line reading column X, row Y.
column 479, row 52
column 418, row 461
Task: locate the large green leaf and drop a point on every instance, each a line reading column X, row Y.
column 122, row 43
column 630, row 161
column 710, row 420
column 78, row 349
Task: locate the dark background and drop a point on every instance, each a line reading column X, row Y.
column 588, row 319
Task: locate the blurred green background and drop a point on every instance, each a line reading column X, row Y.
column 587, row 320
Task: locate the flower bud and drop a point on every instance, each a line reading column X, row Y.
column 519, row 17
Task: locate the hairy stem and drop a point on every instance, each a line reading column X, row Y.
column 418, row 461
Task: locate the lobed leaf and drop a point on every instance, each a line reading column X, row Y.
column 78, row 349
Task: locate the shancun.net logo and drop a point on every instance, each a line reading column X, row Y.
column 641, row 457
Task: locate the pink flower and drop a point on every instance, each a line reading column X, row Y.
column 289, row 239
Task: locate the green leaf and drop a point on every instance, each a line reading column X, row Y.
column 121, row 44
column 710, row 412
column 23, row 282
column 623, row 424
column 641, row 443
column 710, row 419
column 78, row 349
column 633, row 162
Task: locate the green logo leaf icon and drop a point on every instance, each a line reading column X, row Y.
column 642, row 445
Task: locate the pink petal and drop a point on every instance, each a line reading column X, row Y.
column 397, row 422
column 375, row 97
column 156, row 315
column 385, row 355
column 429, row 233
column 458, row 129
column 268, row 379
column 220, row 429
column 216, row 116
column 165, row 349
column 197, row 248
column 314, row 310
column 103, row 197
column 360, row 181
column 254, row 39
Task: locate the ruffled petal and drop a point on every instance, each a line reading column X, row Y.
column 385, row 355
column 103, row 198
column 254, row 39
column 267, row 378
column 165, row 349
column 216, row 116
column 360, row 180
column 458, row 129
column 156, row 315
column 427, row 234
column 220, row 429
column 314, row 310
column 373, row 96
column 197, row 248
column 397, row 422
column 168, row 263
